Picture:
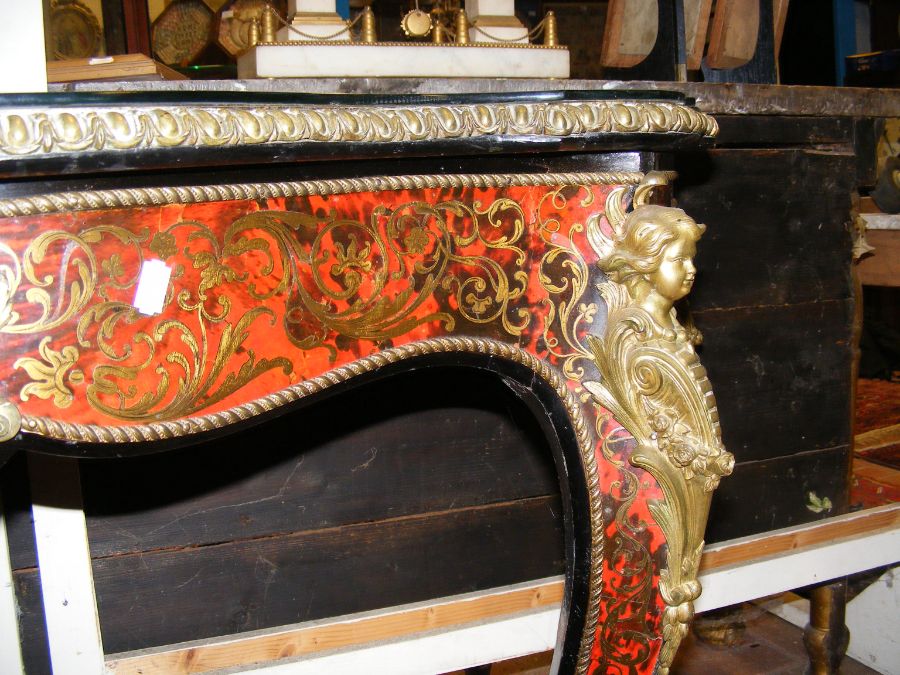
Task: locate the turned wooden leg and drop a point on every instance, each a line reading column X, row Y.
column 826, row 637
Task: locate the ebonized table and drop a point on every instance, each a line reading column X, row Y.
column 180, row 267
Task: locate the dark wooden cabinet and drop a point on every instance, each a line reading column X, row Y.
column 456, row 490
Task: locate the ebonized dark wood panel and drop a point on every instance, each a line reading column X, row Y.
column 32, row 626
column 781, row 375
column 416, row 443
column 775, row 493
column 745, row 131
column 160, row 597
column 777, row 225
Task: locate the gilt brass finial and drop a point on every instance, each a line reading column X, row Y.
column 10, row 420
column 551, row 36
column 367, row 32
column 253, row 35
column 462, row 28
column 439, row 33
column 269, row 18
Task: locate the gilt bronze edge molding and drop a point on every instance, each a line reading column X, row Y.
column 35, row 132
column 193, row 194
column 11, row 424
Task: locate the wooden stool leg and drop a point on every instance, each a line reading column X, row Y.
column 826, row 637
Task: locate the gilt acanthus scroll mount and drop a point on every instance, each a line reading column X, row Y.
column 653, row 382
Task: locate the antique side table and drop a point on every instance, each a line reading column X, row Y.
column 178, row 267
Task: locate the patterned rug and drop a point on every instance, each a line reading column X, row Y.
column 877, row 404
column 876, row 468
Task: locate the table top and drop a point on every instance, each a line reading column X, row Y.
column 731, row 99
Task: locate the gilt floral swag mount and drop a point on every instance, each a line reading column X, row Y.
column 279, row 291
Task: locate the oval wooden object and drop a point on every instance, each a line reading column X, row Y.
column 630, row 32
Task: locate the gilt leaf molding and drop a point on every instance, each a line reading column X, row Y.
column 34, row 131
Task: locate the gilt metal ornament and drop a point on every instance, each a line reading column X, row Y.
column 654, row 384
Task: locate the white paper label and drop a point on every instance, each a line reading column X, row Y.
column 152, row 285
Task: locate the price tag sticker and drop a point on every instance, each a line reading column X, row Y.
column 152, row 286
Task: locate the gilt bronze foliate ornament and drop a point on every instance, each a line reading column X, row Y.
column 654, row 384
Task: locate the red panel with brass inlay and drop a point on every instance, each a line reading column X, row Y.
column 265, row 294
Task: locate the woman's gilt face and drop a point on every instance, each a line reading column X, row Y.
column 675, row 275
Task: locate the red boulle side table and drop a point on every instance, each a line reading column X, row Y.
column 177, row 267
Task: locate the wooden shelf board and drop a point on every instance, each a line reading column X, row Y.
column 124, row 67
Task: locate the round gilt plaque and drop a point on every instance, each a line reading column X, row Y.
column 416, row 23
column 74, row 31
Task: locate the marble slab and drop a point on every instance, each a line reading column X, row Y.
column 334, row 59
column 711, row 97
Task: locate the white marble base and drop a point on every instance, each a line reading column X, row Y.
column 320, row 6
column 398, row 59
column 476, row 8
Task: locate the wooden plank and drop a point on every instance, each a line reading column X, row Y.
column 882, row 268
column 877, row 438
column 308, row 639
column 124, row 67
column 696, row 22
column 739, row 551
column 781, row 489
column 469, row 442
column 629, row 33
column 733, row 34
column 747, row 568
column 65, row 567
column 155, row 598
column 10, row 650
column 434, row 652
column 832, row 560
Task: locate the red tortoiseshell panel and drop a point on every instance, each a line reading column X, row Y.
column 266, row 293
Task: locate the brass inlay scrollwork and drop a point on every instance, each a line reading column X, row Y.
column 35, row 131
column 360, row 280
column 654, row 384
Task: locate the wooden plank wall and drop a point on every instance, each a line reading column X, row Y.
column 774, row 301
column 417, row 497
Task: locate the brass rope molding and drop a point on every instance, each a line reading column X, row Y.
column 32, row 131
column 194, row 194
